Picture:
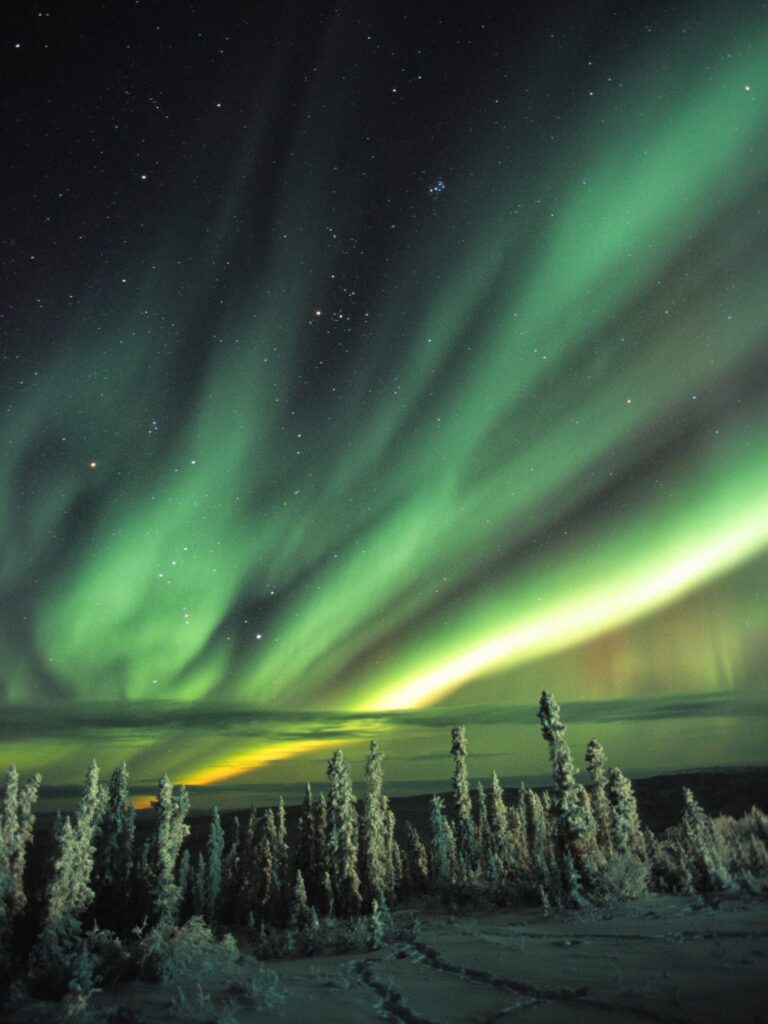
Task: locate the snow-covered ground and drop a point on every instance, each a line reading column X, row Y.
column 663, row 958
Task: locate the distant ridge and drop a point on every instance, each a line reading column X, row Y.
column 660, row 799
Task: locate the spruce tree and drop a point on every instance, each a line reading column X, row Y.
column 566, row 802
column 626, row 830
column 376, row 878
column 61, row 957
column 281, row 846
column 498, row 818
column 700, row 846
column 264, row 876
column 215, row 860
column 596, row 760
column 184, row 881
column 442, row 852
column 572, row 834
column 466, row 839
column 416, row 862
column 393, row 854
column 200, row 888
column 117, row 832
column 323, row 895
column 305, row 846
column 542, row 872
column 171, row 830
column 248, row 871
column 375, row 927
column 16, row 832
column 301, row 916
column 278, row 896
column 342, row 844
column 485, row 851
column 513, row 858
column 231, row 873
column 114, row 852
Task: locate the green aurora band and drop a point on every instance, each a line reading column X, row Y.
column 548, row 436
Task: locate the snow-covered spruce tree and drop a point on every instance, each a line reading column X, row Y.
column 305, row 845
column 171, row 830
column 484, row 845
column 518, row 829
column 442, row 847
column 199, row 886
column 506, row 839
column 16, row 832
column 244, row 901
column 184, row 882
column 142, row 885
column 626, row 870
column 699, row 841
column 280, row 894
column 394, row 855
column 543, row 880
column 322, row 895
column 375, row 938
column 281, row 847
column 374, row 860
column 498, row 819
column 571, row 827
column 341, row 847
column 61, row 963
column 114, row 853
column 415, row 862
column 466, row 838
column 300, row 916
column 596, row 761
column 565, row 798
column 745, row 845
column 263, row 878
column 215, row 858
column 231, row 873
column 327, row 905
column 516, row 862
column 626, row 831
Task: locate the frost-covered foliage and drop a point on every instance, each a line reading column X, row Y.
column 464, row 826
column 301, row 916
column 571, row 823
column 16, row 831
column 596, row 761
column 61, row 961
column 113, row 865
column 171, row 830
column 565, row 796
column 559, row 847
column 172, row 954
column 442, row 851
column 742, row 846
column 376, row 926
column 415, row 862
column 342, row 844
column 376, row 864
column 215, row 861
column 699, row 839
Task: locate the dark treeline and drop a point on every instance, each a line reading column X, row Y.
column 106, row 905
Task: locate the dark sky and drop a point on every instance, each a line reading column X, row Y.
column 359, row 360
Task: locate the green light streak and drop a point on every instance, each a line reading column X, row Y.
column 537, row 443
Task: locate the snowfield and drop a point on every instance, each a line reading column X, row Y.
column 662, row 958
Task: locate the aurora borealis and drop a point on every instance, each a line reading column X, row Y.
column 364, row 364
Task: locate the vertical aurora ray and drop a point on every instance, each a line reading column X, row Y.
column 545, row 422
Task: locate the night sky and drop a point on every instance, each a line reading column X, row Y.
column 367, row 368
